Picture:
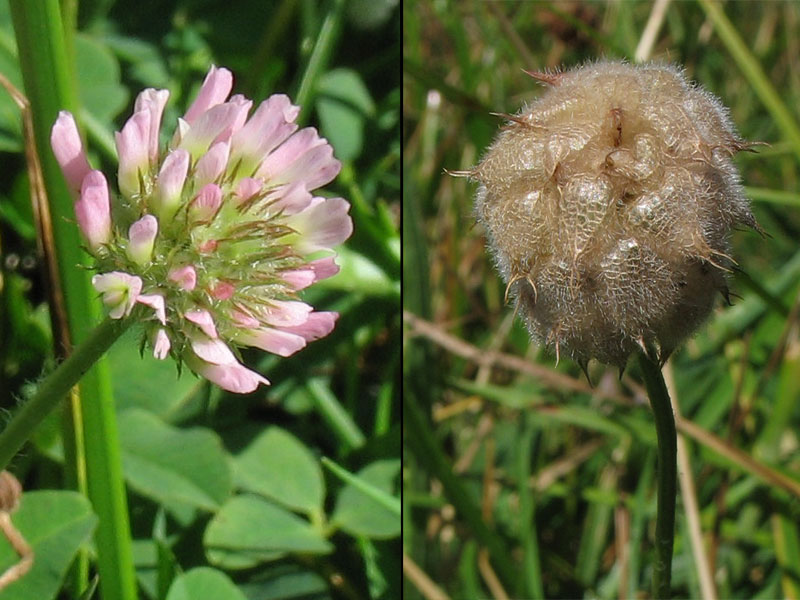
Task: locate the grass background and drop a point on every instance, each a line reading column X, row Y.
column 520, row 480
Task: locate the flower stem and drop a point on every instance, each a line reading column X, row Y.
column 56, row 386
column 667, row 474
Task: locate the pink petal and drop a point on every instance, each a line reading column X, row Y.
column 161, row 345
column 215, row 89
column 315, row 168
column 166, row 198
column 202, row 318
column 156, row 302
column 212, row 164
column 318, row 325
column 269, row 126
column 316, row 270
column 231, row 377
column 304, row 157
column 299, row 279
column 142, row 237
column 114, row 280
column 245, row 104
column 324, row 267
column 212, row 350
column 222, row 290
column 215, row 125
column 133, row 144
column 93, row 210
column 282, row 313
column 152, row 101
column 291, row 149
column 185, row 277
column 180, row 131
column 206, row 204
column 245, row 320
column 68, row 149
column 323, row 225
column 291, row 199
column 282, row 343
column 247, row 188
column 207, row 247
column 120, row 291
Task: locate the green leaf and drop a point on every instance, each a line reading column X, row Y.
column 249, row 530
column 277, row 465
column 287, row 581
column 172, row 465
column 146, row 64
column 370, row 14
column 99, row 84
column 202, row 583
column 146, row 382
column 359, row 514
column 343, row 105
column 55, row 524
column 145, row 559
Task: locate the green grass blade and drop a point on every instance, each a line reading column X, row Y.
column 527, row 516
column 785, row 403
column 781, row 197
column 340, row 421
column 640, row 516
column 595, row 531
column 320, row 55
column 49, row 87
column 751, row 69
column 388, row 501
column 423, row 444
column 787, row 550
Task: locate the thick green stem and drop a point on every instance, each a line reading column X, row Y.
column 667, row 474
column 47, row 72
column 56, row 386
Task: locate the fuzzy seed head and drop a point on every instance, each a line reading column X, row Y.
column 608, row 204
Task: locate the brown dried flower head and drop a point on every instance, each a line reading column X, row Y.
column 608, row 204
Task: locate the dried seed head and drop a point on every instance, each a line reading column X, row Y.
column 608, row 203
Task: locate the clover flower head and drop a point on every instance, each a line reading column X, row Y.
column 213, row 236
